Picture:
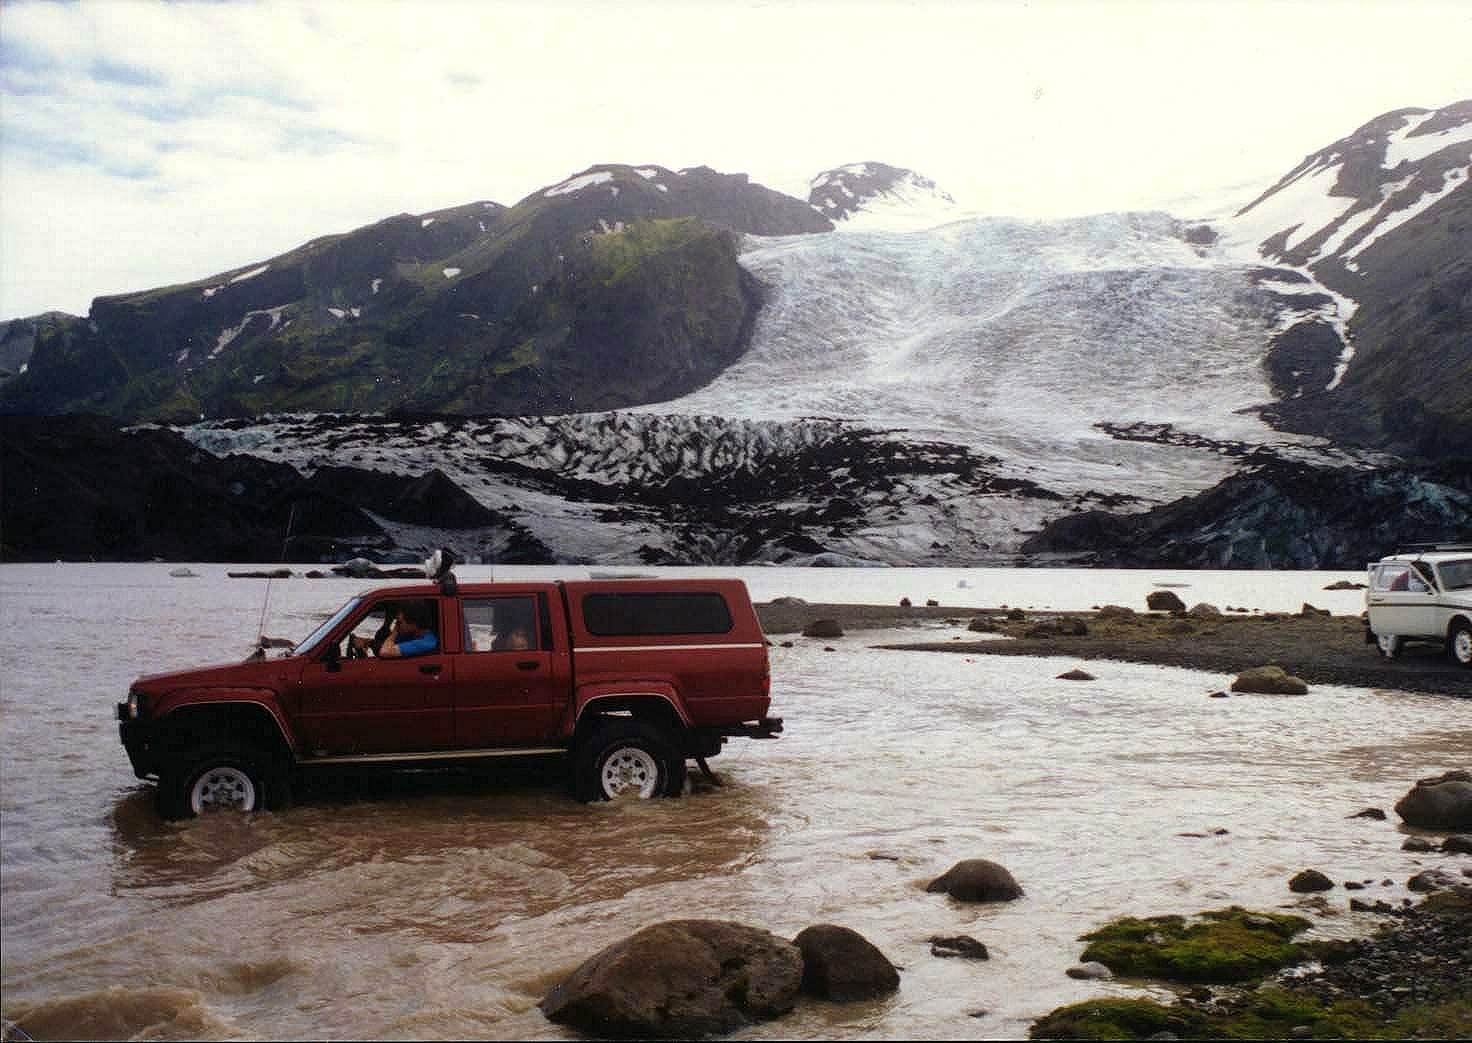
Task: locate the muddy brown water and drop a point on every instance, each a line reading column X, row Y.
column 444, row 906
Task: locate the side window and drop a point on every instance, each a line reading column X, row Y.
column 609, row 615
column 1392, row 577
column 505, row 624
column 377, row 623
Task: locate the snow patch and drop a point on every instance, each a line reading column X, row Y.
column 450, row 273
column 579, row 183
column 210, row 291
column 1453, row 179
column 337, row 313
column 376, row 284
column 647, row 173
column 228, row 336
column 426, row 222
column 1403, row 148
column 252, row 273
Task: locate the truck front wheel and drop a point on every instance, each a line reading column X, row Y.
column 219, row 778
column 626, row 759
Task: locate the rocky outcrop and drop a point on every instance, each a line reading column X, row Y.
column 680, row 979
column 1440, row 802
column 80, row 487
column 618, row 286
column 842, row 965
column 1276, row 515
column 977, row 880
column 1164, row 601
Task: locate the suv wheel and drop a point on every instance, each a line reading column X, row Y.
column 1460, row 645
column 626, row 759
column 1390, row 645
column 219, row 778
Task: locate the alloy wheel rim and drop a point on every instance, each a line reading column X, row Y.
column 630, row 773
column 226, row 788
column 1462, row 646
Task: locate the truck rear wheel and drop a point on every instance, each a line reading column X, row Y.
column 626, row 759
column 229, row 777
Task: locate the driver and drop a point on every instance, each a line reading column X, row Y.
column 410, row 635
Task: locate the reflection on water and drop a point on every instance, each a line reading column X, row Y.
column 446, row 904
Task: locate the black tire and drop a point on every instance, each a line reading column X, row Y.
column 1459, row 643
column 623, row 758
column 228, row 776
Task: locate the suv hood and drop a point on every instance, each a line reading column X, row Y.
column 251, row 673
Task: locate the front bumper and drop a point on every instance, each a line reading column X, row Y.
column 138, row 739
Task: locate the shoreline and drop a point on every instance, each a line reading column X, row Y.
column 1321, row 649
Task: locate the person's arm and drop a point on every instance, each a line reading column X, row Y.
column 394, row 648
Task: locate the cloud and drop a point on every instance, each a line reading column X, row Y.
column 120, row 72
column 147, row 143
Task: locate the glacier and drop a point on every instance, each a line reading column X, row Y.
column 926, row 396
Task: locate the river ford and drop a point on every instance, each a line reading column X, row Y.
column 446, row 906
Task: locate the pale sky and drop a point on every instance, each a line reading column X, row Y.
column 148, row 143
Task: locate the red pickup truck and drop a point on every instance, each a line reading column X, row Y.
column 629, row 677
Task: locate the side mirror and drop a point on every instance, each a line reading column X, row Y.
column 332, row 658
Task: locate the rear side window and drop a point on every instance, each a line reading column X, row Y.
column 624, row 615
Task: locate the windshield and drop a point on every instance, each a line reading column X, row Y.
column 1456, row 575
column 315, row 637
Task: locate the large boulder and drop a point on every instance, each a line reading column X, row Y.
column 977, row 880
column 1440, row 802
column 680, row 979
column 823, row 628
column 841, row 964
column 1165, row 601
column 1269, row 680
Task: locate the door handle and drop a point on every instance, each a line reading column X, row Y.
column 528, row 664
column 431, row 668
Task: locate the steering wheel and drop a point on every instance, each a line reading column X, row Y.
column 354, row 651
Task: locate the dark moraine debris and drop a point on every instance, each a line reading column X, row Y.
column 1076, row 675
column 977, row 880
column 680, row 979
column 842, row 965
column 1375, row 813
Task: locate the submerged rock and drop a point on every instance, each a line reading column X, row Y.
column 1269, row 680
column 1308, row 881
column 841, row 964
column 961, row 946
column 1439, row 802
column 976, row 880
column 680, row 979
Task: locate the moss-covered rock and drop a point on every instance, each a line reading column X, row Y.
column 1226, row 945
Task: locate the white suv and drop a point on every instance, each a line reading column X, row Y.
column 1422, row 595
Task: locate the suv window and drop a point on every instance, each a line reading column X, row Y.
column 1456, row 575
column 1399, row 577
column 628, row 615
column 505, row 624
